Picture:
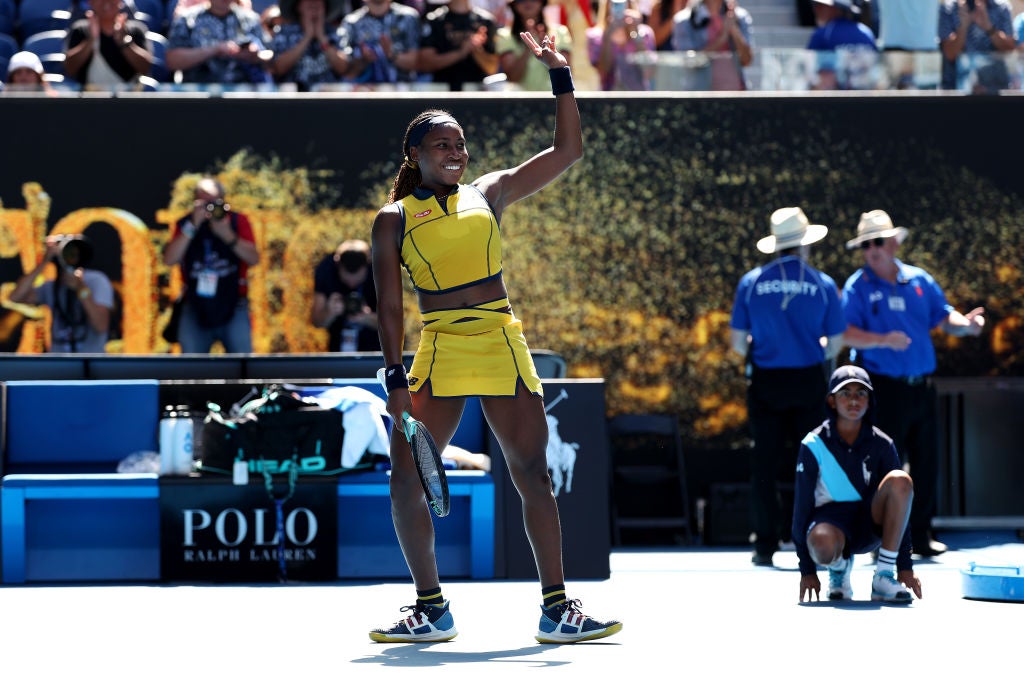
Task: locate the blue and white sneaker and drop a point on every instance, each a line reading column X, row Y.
column 565, row 623
column 426, row 624
column 886, row 588
column 839, row 586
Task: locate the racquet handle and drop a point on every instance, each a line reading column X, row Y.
column 408, row 424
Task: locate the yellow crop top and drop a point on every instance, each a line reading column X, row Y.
column 445, row 248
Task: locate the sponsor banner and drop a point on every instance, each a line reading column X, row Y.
column 212, row 530
column 578, row 463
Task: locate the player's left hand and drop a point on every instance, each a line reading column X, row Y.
column 545, row 50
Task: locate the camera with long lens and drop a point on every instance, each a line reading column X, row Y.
column 218, row 209
column 75, row 251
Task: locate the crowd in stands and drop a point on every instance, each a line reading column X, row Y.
column 310, row 45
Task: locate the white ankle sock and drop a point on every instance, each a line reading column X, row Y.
column 886, row 561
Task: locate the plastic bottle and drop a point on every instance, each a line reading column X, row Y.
column 184, row 433
column 167, row 424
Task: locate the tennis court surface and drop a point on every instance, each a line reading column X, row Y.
column 693, row 618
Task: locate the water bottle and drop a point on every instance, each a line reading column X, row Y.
column 184, row 433
column 167, row 423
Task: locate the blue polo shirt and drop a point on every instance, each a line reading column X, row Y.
column 787, row 306
column 915, row 305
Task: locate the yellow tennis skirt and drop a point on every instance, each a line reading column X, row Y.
column 473, row 351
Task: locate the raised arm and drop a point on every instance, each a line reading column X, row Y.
column 504, row 187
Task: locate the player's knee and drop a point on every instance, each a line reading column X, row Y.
column 900, row 484
column 824, row 544
column 531, row 475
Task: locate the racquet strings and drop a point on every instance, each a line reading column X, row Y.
column 427, row 460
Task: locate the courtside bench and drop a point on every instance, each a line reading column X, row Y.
column 68, row 516
column 66, row 513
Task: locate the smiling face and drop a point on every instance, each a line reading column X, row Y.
column 442, row 156
column 850, row 402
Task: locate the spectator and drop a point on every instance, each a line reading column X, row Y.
column 345, row 299
column 722, row 29
column 971, row 28
column 838, row 26
column 851, row 497
column 501, row 10
column 220, row 42
column 847, row 50
column 381, row 40
column 80, row 299
column 458, row 45
column 215, row 247
column 782, row 314
column 891, row 308
column 910, row 25
column 306, row 48
column 107, row 49
column 25, row 73
column 661, row 21
column 618, row 36
column 517, row 61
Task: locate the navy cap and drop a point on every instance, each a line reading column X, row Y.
column 847, row 374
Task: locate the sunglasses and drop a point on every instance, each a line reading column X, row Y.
column 877, row 242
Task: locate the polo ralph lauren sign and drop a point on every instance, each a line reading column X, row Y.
column 212, row 530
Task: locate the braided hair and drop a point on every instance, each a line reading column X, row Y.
column 409, row 176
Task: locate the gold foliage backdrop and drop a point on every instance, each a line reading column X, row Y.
column 627, row 265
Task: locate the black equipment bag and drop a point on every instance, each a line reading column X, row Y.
column 275, row 434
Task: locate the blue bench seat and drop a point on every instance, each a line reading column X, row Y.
column 80, row 527
column 464, row 540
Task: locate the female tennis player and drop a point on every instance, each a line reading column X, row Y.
column 446, row 235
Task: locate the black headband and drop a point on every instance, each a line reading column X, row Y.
column 420, row 131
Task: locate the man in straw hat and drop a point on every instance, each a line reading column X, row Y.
column 783, row 312
column 891, row 308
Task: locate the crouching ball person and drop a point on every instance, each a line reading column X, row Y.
column 445, row 234
column 850, row 497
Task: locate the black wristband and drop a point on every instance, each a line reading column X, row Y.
column 395, row 377
column 561, row 80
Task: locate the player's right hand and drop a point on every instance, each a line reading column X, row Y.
column 809, row 585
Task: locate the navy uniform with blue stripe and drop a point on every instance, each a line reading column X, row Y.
column 787, row 306
column 836, row 483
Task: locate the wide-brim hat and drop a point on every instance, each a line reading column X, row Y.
column 333, row 9
column 790, row 228
column 876, row 224
column 849, row 374
column 845, row 4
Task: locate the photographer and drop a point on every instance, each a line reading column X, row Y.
column 345, row 300
column 80, row 299
column 214, row 246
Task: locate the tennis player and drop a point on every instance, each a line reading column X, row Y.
column 446, row 236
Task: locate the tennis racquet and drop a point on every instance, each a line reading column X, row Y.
column 427, row 459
